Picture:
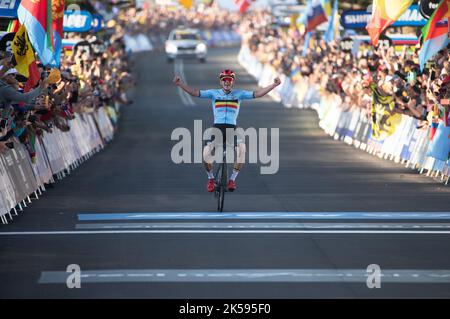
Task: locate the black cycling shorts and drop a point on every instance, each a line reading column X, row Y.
column 233, row 139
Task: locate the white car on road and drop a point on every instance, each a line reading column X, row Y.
column 185, row 43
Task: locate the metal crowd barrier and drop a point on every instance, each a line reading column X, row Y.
column 57, row 154
column 219, row 38
column 139, row 42
column 407, row 145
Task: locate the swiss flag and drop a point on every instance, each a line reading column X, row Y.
column 242, row 4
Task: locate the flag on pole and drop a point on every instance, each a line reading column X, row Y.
column 315, row 14
column 22, row 50
column 186, row 3
column 294, row 18
column 384, row 119
column 33, row 78
column 306, row 43
column 57, row 29
column 384, row 13
column 330, row 33
column 36, row 15
column 326, row 5
column 242, row 5
column 435, row 33
column 24, row 56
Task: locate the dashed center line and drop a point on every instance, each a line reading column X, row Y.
column 250, row 275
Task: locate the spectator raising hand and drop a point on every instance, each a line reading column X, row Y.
column 82, row 84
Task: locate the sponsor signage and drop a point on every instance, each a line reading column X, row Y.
column 346, row 44
column 8, row 8
column 359, row 19
column 6, row 42
column 77, row 21
column 97, row 22
column 427, row 7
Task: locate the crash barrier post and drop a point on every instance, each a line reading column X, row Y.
column 407, row 145
column 57, row 154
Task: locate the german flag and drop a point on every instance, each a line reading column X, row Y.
column 226, row 103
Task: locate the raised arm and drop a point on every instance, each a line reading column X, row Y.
column 267, row 89
column 11, row 94
column 177, row 81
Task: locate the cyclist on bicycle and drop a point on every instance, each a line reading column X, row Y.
column 226, row 104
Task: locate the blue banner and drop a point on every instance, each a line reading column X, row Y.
column 97, row 22
column 77, row 21
column 358, row 19
column 8, row 8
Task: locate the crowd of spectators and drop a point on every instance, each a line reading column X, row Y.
column 89, row 79
column 354, row 78
column 160, row 20
column 86, row 80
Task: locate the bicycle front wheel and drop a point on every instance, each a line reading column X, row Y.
column 222, row 187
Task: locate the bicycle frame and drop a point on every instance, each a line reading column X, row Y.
column 221, row 181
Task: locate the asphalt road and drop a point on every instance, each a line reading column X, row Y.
column 309, row 231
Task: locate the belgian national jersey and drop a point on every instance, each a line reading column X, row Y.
column 226, row 106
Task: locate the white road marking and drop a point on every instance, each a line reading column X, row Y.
column 185, row 97
column 220, row 231
column 214, row 225
column 266, row 215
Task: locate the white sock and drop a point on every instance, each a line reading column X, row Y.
column 210, row 174
column 234, row 174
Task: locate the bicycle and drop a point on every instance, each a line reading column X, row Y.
column 220, row 181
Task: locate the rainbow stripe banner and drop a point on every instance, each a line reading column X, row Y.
column 435, row 33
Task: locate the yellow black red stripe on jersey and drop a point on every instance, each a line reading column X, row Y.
column 226, row 103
